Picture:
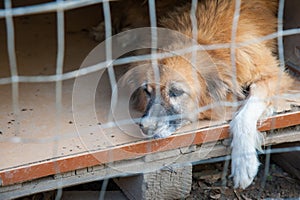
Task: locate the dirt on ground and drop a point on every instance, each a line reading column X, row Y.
column 277, row 184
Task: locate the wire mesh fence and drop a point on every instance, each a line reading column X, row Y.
column 98, row 110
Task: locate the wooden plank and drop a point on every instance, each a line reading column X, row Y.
column 280, row 121
column 285, row 137
column 135, row 150
column 202, row 153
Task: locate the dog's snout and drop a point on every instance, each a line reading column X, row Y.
column 147, row 125
column 151, row 120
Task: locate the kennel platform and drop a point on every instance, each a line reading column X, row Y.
column 42, row 150
column 44, row 146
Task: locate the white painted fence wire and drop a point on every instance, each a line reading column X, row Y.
column 8, row 13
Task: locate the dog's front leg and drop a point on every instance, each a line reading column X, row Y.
column 246, row 138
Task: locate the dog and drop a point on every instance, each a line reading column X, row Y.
column 255, row 79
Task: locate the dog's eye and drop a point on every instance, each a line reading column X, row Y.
column 175, row 92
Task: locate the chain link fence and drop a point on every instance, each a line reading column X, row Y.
column 81, row 110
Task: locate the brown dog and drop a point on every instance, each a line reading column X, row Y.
column 181, row 95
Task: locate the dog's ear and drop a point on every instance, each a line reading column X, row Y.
column 134, row 77
column 132, row 81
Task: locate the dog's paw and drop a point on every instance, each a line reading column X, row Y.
column 246, row 139
column 244, row 167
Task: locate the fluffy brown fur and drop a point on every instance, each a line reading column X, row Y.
column 255, row 63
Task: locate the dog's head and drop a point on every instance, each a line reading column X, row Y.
column 168, row 106
column 171, row 96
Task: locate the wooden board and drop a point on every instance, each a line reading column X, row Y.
column 44, row 149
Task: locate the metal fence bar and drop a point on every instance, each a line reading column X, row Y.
column 279, row 32
column 194, row 22
column 47, row 7
column 233, row 45
column 60, row 23
column 154, row 62
column 153, row 51
column 108, row 51
column 10, row 34
column 60, row 6
column 282, row 66
column 111, row 73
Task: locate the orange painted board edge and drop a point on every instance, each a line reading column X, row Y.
column 134, row 150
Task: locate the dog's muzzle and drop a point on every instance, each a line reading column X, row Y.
column 156, row 122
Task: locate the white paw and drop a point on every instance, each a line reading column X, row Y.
column 246, row 139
